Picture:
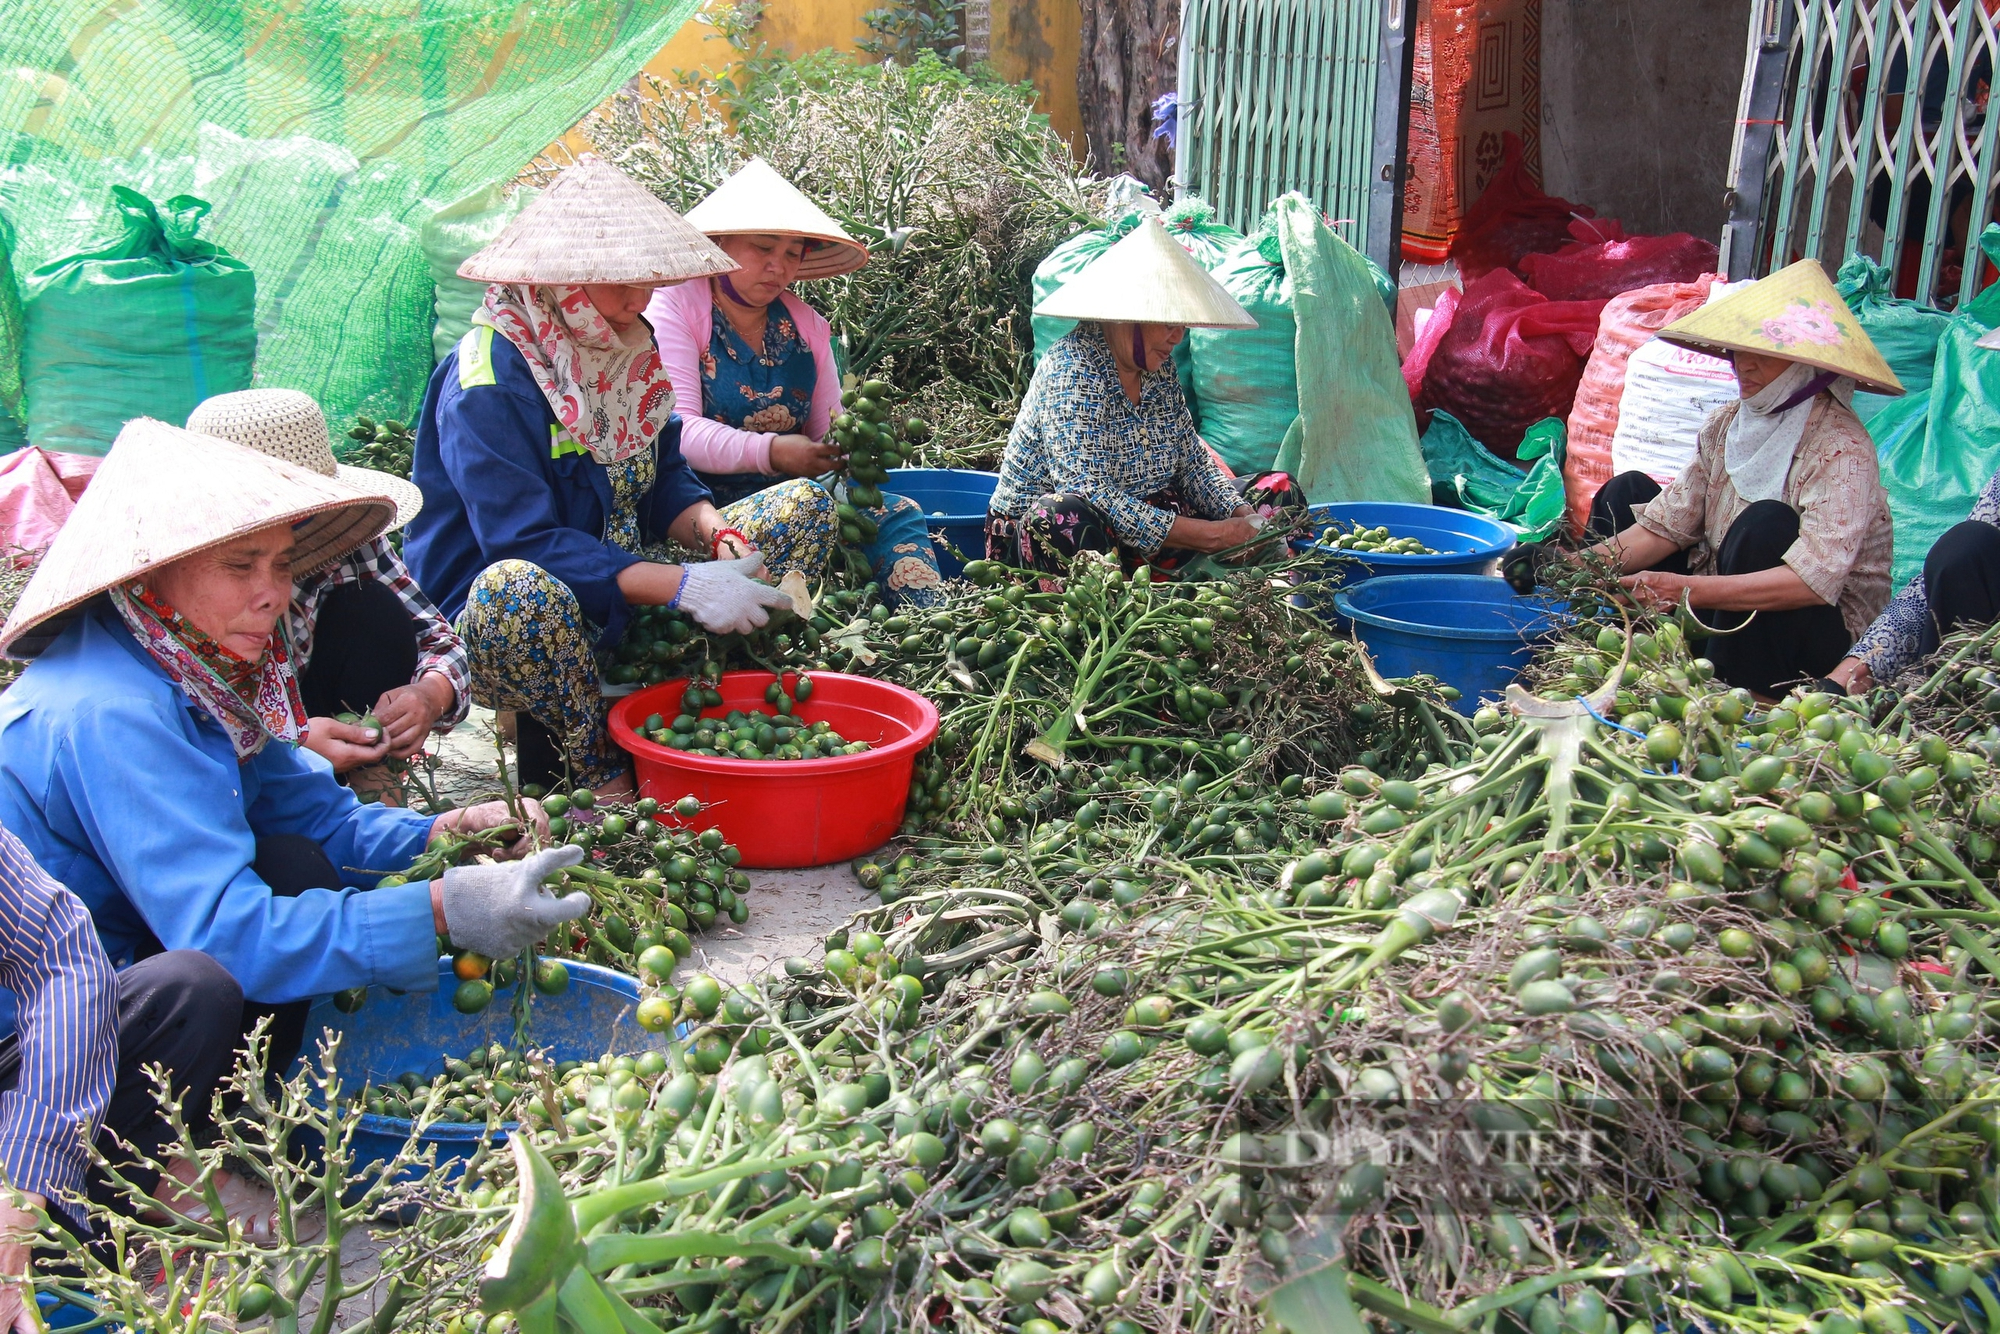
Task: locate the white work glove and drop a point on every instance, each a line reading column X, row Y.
column 722, row 595
column 500, row 910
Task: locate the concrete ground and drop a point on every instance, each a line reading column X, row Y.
column 790, row 911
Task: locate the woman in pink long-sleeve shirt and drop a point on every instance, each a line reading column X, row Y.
column 762, row 362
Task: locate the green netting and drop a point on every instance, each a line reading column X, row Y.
column 325, row 133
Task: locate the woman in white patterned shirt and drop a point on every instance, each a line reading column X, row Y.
column 1778, row 531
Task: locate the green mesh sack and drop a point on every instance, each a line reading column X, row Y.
column 1938, row 448
column 1246, row 380
column 1905, row 332
column 147, row 325
column 325, row 135
column 451, row 237
column 12, row 434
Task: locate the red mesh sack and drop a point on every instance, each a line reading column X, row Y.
column 1600, row 267
column 1628, row 321
column 1510, row 358
column 1426, row 346
column 1513, row 219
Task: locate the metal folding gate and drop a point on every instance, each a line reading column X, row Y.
column 1306, row 95
column 1864, row 126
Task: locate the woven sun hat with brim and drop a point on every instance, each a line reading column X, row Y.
column 288, row 425
column 163, row 493
column 1147, row 279
column 595, row 224
column 757, row 201
column 1797, row 314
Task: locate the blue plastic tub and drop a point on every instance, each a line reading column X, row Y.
column 954, row 502
column 1465, row 543
column 390, row 1034
column 1469, row 631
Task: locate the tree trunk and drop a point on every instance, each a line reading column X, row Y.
column 1131, row 55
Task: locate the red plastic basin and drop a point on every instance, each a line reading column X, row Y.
column 789, row 813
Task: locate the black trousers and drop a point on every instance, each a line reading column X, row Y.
column 179, row 1010
column 290, row 864
column 364, row 643
column 1775, row 649
column 1961, row 580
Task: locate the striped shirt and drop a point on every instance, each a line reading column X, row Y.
column 68, row 1031
column 439, row 649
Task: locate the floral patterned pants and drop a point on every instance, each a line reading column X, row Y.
column 901, row 558
column 532, row 649
column 1057, row 528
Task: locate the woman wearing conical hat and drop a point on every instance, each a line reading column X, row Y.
column 763, row 361
column 1781, row 512
column 150, row 755
column 365, row 638
column 1104, row 455
column 555, row 492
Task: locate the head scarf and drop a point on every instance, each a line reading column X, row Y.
column 254, row 702
column 1769, row 426
column 608, row 389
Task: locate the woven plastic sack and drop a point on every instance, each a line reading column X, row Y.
column 1246, row 380
column 1600, row 266
column 1355, row 437
column 451, row 236
column 325, row 135
column 1905, row 332
column 1669, row 393
column 1512, row 219
column 1627, row 322
column 146, row 326
column 1939, row 448
column 1510, row 358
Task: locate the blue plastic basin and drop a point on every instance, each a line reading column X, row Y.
column 954, row 501
column 391, row 1034
column 1469, row 631
column 1465, row 544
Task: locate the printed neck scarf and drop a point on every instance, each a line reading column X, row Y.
column 255, row 702
column 1765, row 436
column 608, row 389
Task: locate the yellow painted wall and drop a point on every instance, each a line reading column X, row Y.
column 1041, row 41
column 1034, row 40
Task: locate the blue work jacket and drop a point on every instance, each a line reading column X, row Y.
column 503, row 481
column 127, row 793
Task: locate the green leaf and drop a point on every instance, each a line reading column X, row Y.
column 1315, row 1302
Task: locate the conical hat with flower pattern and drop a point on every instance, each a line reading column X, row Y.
column 1796, row 314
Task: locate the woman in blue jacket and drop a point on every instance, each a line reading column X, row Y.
column 150, row 756
column 552, row 475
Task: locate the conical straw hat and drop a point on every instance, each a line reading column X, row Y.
column 1796, row 313
column 1147, row 279
column 288, row 425
column 758, row 201
column 595, row 224
column 163, row 493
